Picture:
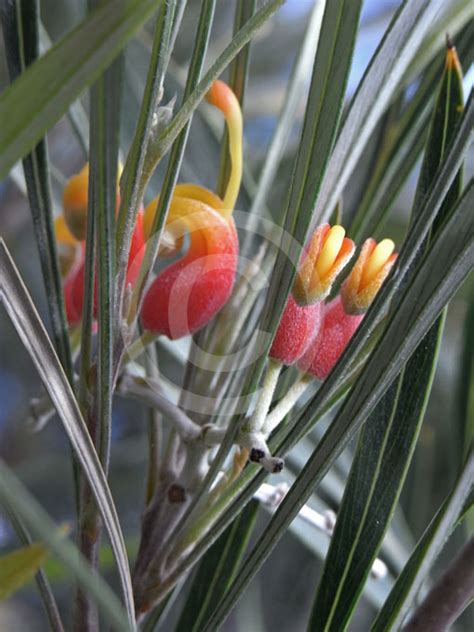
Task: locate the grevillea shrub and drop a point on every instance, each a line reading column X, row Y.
column 239, row 309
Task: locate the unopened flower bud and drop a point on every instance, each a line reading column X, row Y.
column 327, row 254
column 369, row 272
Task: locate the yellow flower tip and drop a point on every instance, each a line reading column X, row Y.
column 332, row 245
column 327, row 254
column 379, row 257
column 369, row 272
column 222, row 97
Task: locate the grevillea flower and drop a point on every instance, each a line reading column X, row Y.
column 70, row 231
column 187, row 294
column 343, row 315
column 326, row 255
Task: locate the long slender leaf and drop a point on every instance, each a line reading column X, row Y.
column 104, row 144
column 217, row 570
column 393, row 57
column 381, row 462
column 38, row 98
column 105, row 133
column 436, row 279
column 40, row 524
column 20, row 21
column 388, row 438
column 24, row 316
column 293, row 95
column 415, row 572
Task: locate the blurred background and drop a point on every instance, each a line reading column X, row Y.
column 280, row 597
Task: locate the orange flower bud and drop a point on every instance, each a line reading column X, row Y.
column 327, row 254
column 369, row 272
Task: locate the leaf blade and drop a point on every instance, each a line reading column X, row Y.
column 58, row 77
column 19, row 567
column 24, row 316
column 20, row 22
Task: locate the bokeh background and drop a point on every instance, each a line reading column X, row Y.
column 280, row 598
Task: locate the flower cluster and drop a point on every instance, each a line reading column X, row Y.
column 188, row 293
column 313, row 334
column 343, row 314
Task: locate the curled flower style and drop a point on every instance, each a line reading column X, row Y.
column 343, row 315
column 187, row 294
column 70, row 229
column 328, row 252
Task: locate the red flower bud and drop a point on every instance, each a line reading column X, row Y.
column 187, row 294
column 336, row 331
column 344, row 314
column 325, row 256
column 298, row 327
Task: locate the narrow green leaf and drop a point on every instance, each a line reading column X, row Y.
column 14, row 494
column 19, row 567
column 20, row 21
column 447, row 114
column 434, row 282
column 217, row 570
column 293, row 95
column 389, row 436
column 26, row 321
column 416, row 570
column 382, row 78
column 105, row 134
column 37, row 99
column 384, row 452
